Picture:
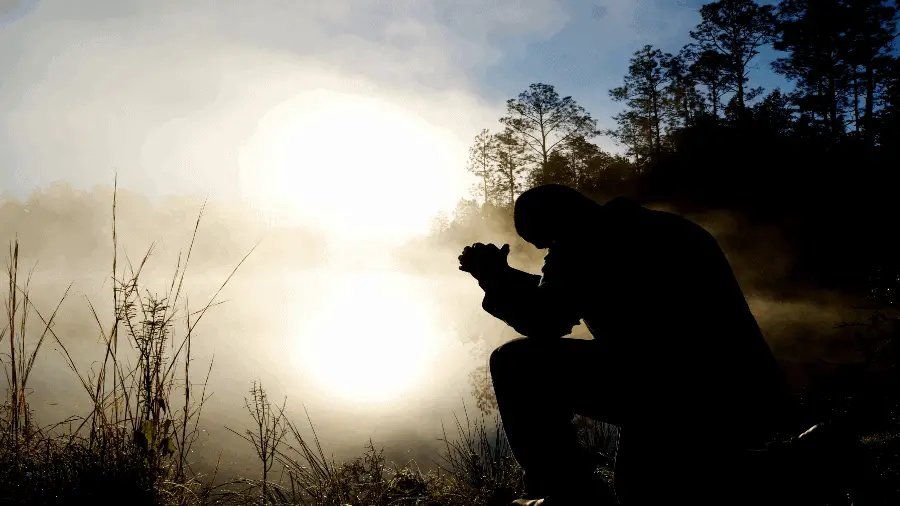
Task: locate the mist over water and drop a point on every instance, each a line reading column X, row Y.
column 372, row 337
column 370, row 351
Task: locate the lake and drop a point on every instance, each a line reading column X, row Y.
column 368, row 351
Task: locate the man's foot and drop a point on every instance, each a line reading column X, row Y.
column 553, row 501
column 604, row 498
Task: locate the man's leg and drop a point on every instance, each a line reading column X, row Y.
column 540, row 385
column 685, row 443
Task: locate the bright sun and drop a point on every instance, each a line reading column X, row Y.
column 358, row 168
column 355, row 165
column 371, row 341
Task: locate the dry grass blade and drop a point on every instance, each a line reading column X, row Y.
column 133, row 428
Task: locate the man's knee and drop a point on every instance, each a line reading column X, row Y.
column 514, row 354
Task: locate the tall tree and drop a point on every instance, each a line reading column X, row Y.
column 634, row 133
column 814, row 34
column 682, row 102
column 466, row 213
column 642, row 93
column 510, row 165
column 580, row 152
column 710, row 68
column 557, row 170
column 570, row 165
column 774, row 113
column 872, row 30
column 482, row 163
column 885, row 126
column 609, row 175
column 542, row 121
column 736, row 29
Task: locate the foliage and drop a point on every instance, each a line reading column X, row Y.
column 697, row 135
column 640, row 124
column 838, row 53
column 511, row 167
column 483, row 160
column 815, row 161
column 135, row 434
column 134, row 445
column 542, row 121
column 818, row 161
column 736, row 30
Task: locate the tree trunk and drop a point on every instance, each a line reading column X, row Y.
column 870, row 106
column 856, row 100
column 544, row 152
column 576, row 172
column 832, row 106
column 819, row 102
column 740, row 69
column 715, row 100
column 512, row 187
column 656, row 123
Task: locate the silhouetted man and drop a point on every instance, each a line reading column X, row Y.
column 678, row 361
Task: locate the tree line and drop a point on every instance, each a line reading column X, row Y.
column 819, row 160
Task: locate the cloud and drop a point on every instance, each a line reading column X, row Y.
column 589, row 54
column 167, row 91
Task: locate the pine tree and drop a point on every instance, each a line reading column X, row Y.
column 542, row 121
column 736, row 29
column 483, row 163
column 639, row 126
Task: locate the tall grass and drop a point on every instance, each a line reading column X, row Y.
column 144, row 414
column 134, row 442
column 17, row 426
column 481, row 460
column 476, row 467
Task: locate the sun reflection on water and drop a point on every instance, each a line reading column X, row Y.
column 373, row 338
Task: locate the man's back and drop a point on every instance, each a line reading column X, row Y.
column 657, row 293
column 651, row 271
column 665, row 299
column 678, row 360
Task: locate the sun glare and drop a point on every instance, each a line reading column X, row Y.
column 355, row 165
column 371, row 341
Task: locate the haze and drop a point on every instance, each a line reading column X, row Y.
column 333, row 132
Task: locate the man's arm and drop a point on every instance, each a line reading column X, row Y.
column 503, row 291
column 534, row 305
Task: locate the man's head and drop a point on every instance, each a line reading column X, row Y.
column 547, row 214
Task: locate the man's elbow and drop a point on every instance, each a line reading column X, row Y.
column 543, row 329
column 496, row 310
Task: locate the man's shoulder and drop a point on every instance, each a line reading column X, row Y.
column 628, row 208
column 654, row 224
column 623, row 214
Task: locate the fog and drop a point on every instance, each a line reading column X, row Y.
column 336, row 309
column 367, row 349
column 798, row 320
column 375, row 339
column 326, row 132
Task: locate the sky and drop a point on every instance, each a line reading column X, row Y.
column 172, row 95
